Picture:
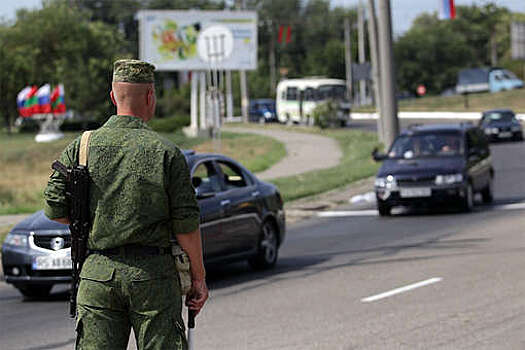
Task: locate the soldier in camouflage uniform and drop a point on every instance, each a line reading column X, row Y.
column 140, row 198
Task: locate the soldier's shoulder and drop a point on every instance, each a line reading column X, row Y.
column 169, row 146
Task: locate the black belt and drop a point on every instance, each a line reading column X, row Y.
column 137, row 250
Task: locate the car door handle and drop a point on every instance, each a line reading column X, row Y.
column 256, row 193
column 225, row 202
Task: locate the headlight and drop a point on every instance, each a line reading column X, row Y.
column 388, row 182
column 449, row 179
column 16, row 239
column 268, row 115
column 495, row 130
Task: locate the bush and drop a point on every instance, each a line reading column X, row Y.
column 80, row 125
column 169, row 124
column 325, row 114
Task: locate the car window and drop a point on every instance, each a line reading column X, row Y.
column 427, row 145
column 233, row 176
column 209, row 178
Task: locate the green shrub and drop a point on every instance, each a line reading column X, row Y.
column 169, row 124
column 325, row 114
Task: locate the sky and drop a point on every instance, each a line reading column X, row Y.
column 403, row 11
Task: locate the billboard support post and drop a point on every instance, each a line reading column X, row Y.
column 202, row 99
column 229, row 95
column 194, row 103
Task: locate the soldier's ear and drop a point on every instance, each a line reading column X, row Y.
column 113, row 99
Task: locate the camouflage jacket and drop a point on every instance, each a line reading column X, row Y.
column 140, row 190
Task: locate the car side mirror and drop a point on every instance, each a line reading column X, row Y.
column 378, row 157
column 196, row 181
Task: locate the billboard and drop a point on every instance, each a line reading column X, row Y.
column 198, row 40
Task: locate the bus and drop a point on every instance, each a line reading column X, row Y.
column 297, row 98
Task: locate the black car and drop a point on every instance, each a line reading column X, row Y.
column 242, row 218
column 501, row 124
column 262, row 111
column 435, row 164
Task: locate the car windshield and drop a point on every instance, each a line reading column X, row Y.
column 325, row 92
column 427, row 145
column 496, row 117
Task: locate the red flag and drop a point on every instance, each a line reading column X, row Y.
column 280, row 37
column 289, row 33
column 452, row 9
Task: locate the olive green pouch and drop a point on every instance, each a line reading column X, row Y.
column 182, row 263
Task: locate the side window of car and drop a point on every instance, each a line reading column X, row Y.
column 233, row 176
column 205, row 178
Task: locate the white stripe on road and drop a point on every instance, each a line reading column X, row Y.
column 342, row 213
column 373, row 212
column 402, row 289
column 514, row 206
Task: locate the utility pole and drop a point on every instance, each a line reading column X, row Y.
column 273, row 70
column 374, row 57
column 348, row 60
column 241, row 5
column 386, row 64
column 361, row 49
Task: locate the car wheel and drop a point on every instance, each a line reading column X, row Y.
column 35, row 291
column 468, row 201
column 384, row 209
column 488, row 192
column 268, row 248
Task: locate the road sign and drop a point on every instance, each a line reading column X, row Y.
column 517, row 39
column 421, row 90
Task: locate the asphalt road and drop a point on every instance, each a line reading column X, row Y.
column 461, row 277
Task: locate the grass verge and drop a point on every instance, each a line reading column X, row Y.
column 356, row 162
column 25, row 164
column 514, row 99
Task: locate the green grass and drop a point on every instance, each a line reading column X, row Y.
column 26, row 164
column 514, row 99
column 356, row 163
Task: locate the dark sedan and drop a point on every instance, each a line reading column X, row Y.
column 435, row 164
column 242, row 218
column 501, row 124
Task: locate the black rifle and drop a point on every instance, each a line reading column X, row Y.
column 77, row 195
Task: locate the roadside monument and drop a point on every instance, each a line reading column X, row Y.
column 45, row 106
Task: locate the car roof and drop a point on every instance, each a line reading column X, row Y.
column 499, row 110
column 193, row 157
column 439, row 128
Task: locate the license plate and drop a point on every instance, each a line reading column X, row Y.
column 52, row 262
column 415, row 192
column 504, row 134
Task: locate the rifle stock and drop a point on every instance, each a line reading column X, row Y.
column 77, row 195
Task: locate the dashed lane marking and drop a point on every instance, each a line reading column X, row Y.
column 401, row 290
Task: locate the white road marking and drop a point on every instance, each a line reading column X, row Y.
column 402, row 289
column 373, row 212
column 513, row 206
column 343, row 213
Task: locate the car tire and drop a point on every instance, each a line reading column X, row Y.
column 384, row 209
column 487, row 194
column 35, row 290
column 268, row 248
column 468, row 201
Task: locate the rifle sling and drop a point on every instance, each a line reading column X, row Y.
column 84, row 148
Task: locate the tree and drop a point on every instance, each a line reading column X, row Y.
column 58, row 45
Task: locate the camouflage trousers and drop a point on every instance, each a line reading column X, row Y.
column 122, row 292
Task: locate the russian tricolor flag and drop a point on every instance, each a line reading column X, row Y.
column 44, row 99
column 447, row 9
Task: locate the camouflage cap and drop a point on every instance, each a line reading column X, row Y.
column 133, row 71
